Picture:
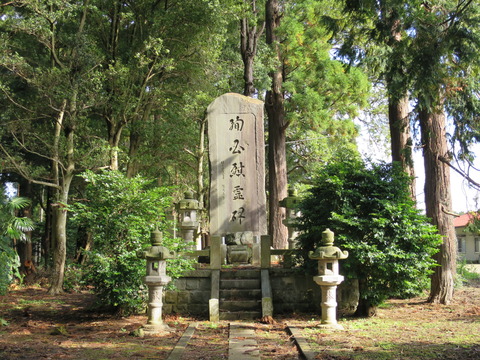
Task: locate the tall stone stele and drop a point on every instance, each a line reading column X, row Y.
column 156, row 278
column 237, row 159
column 328, row 277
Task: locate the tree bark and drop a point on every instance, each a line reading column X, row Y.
column 114, row 136
column 277, row 126
column 398, row 103
column 84, row 243
column 63, row 180
column 47, row 232
column 364, row 307
column 60, row 230
column 438, row 203
column 401, row 141
column 248, row 49
column 134, row 145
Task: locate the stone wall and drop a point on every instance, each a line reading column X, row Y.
column 191, row 294
column 292, row 291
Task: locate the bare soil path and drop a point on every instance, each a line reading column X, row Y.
column 40, row 326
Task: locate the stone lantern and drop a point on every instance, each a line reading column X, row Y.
column 187, row 209
column 290, row 203
column 328, row 277
column 156, row 279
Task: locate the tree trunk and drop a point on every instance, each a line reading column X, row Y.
column 248, row 49
column 364, row 307
column 60, row 212
column 438, row 203
column 277, row 126
column 398, row 103
column 134, row 146
column 47, row 232
column 60, row 235
column 59, row 252
column 401, row 141
column 84, row 243
column 114, row 135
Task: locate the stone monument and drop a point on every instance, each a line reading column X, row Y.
column 237, row 161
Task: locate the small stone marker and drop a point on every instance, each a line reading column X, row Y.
column 237, row 158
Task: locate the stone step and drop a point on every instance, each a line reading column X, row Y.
column 240, row 305
column 240, row 284
column 239, row 294
column 240, row 274
column 240, row 315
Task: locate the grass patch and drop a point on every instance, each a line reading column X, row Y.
column 38, row 302
column 409, row 329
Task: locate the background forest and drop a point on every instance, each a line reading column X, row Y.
column 122, row 86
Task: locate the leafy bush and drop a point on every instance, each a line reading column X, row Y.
column 464, row 274
column 12, row 228
column 9, row 264
column 368, row 207
column 120, row 213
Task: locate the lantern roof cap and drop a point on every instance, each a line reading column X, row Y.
column 327, row 251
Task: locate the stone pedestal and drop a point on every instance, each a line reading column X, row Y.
column 155, row 323
column 328, row 285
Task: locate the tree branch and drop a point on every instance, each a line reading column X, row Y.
column 461, row 172
column 24, row 174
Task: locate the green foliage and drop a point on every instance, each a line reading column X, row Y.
column 120, row 213
column 464, row 274
column 12, row 228
column 323, row 94
column 369, row 209
column 9, row 264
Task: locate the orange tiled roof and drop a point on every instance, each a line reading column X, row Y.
column 463, row 220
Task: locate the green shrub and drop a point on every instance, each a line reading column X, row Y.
column 12, row 228
column 464, row 275
column 9, row 264
column 120, row 213
column 368, row 207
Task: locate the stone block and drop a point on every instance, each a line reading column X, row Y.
column 199, row 297
column 214, row 310
column 204, row 284
column 198, row 273
column 238, row 254
column 170, row 297
column 182, row 309
column 267, row 306
column 215, row 252
column 192, row 284
column 183, row 297
column 198, row 309
column 247, row 238
column 181, row 283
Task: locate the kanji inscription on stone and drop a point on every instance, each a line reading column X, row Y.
column 237, row 151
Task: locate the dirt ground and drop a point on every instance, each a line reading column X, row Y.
column 40, row 326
